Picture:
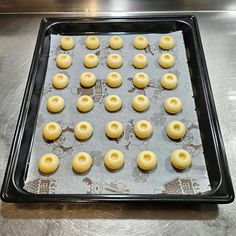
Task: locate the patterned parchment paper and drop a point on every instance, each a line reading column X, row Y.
column 128, row 180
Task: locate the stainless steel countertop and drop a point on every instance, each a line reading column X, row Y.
column 17, row 40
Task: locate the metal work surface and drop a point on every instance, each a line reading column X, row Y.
column 17, row 40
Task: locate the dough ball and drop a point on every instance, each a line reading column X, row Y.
column 113, row 103
column 63, row 61
column 48, row 163
column 60, row 81
column 146, row 160
column 83, row 130
column 114, row 159
column 140, row 103
column 92, row 42
column 55, row 104
column 67, row 43
column 140, row 42
column 90, row 60
column 116, row 42
column 175, row 129
column 114, row 129
column 114, row 61
column 166, row 42
column 166, row 60
column 143, row 129
column 169, row 81
column 141, row 80
column 87, row 79
column 84, row 103
column 173, row 105
column 51, row 131
column 114, row 80
column 181, row 159
column 140, row 61
column 81, row 162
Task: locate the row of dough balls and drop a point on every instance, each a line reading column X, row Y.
column 114, row 129
column 114, row 80
column 113, row 103
column 166, row 42
column 115, row 61
column 114, row 160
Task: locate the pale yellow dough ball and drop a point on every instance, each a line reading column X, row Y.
column 140, row 103
column 55, row 104
column 114, row 61
column 113, row 103
column 48, row 163
column 83, row 130
column 63, row 61
column 60, row 81
column 84, row 103
column 51, row 131
column 114, row 159
column 181, row 159
column 141, row 80
column 166, row 42
column 140, row 61
column 146, row 160
column 67, row 42
column 114, row 80
column 166, row 60
column 176, row 129
column 140, row 42
column 169, row 81
column 82, row 162
column 92, row 42
column 143, row 129
column 116, row 42
column 90, row 60
column 87, row 79
column 173, row 105
column 114, row 129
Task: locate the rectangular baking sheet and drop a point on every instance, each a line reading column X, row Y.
column 20, row 161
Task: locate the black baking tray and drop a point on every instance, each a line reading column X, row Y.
column 214, row 151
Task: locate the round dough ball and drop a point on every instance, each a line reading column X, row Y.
column 114, row 61
column 92, row 42
column 141, row 80
column 116, row 42
column 166, row 42
column 143, row 129
column 140, row 61
column 55, row 104
column 140, row 103
column 87, row 79
column 166, row 60
column 181, row 159
column 114, row 159
column 90, row 60
column 146, row 160
column 83, row 130
column 48, row 163
column 114, row 129
column 176, row 129
column 67, row 42
column 51, row 131
column 82, row 162
column 169, row 81
column 173, row 105
column 63, row 61
column 60, row 81
column 113, row 103
column 84, row 103
column 140, row 42
column 114, row 79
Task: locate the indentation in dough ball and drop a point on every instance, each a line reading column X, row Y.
column 146, row 160
column 51, row 131
column 116, row 42
column 176, row 129
column 140, row 61
column 114, row 159
column 166, row 60
column 82, row 162
column 166, row 42
column 181, row 159
column 140, row 42
column 48, row 163
column 92, row 42
column 63, row 61
column 67, row 42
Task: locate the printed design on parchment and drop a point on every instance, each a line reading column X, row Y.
column 98, row 187
column 97, row 157
column 139, row 176
column 180, row 186
column 152, row 49
column 41, row 186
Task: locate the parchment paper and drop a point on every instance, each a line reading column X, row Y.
column 128, row 180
